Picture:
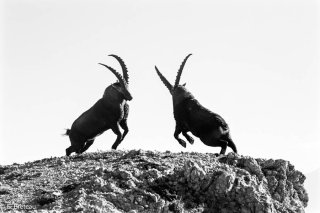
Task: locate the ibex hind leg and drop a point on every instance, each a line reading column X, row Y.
column 77, row 143
column 223, row 145
column 87, row 145
column 230, row 142
column 214, row 142
column 232, row 146
column 125, row 128
column 69, row 150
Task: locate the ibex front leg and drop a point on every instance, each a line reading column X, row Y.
column 125, row 128
column 123, row 122
column 116, row 131
column 188, row 137
column 176, row 136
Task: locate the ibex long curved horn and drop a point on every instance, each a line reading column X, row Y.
column 123, row 66
column 164, row 80
column 118, row 75
column 180, row 71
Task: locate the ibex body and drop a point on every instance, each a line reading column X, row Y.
column 109, row 112
column 192, row 117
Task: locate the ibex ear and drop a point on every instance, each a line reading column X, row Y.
column 184, row 84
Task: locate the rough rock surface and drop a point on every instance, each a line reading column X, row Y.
column 146, row 181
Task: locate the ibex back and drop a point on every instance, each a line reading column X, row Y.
column 191, row 116
column 109, row 112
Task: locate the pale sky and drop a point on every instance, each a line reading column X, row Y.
column 256, row 63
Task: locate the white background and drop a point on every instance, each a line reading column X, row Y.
column 256, row 63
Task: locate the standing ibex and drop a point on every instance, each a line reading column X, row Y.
column 109, row 112
column 191, row 116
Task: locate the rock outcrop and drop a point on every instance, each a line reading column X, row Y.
column 146, row 181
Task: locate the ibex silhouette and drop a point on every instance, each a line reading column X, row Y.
column 109, row 112
column 192, row 117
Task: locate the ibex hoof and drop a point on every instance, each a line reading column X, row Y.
column 68, row 152
column 184, row 144
column 216, row 154
column 191, row 141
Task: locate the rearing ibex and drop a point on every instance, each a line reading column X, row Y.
column 109, row 112
column 191, row 116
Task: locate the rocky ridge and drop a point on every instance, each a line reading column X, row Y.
column 147, row 181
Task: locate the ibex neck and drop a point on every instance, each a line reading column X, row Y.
column 177, row 99
column 112, row 95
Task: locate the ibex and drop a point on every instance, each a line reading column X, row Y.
column 109, row 112
column 192, row 117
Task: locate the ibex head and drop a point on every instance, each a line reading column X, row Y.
column 177, row 91
column 122, row 85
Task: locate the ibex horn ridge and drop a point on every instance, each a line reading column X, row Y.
column 123, row 66
column 180, row 71
column 164, row 80
column 118, row 75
